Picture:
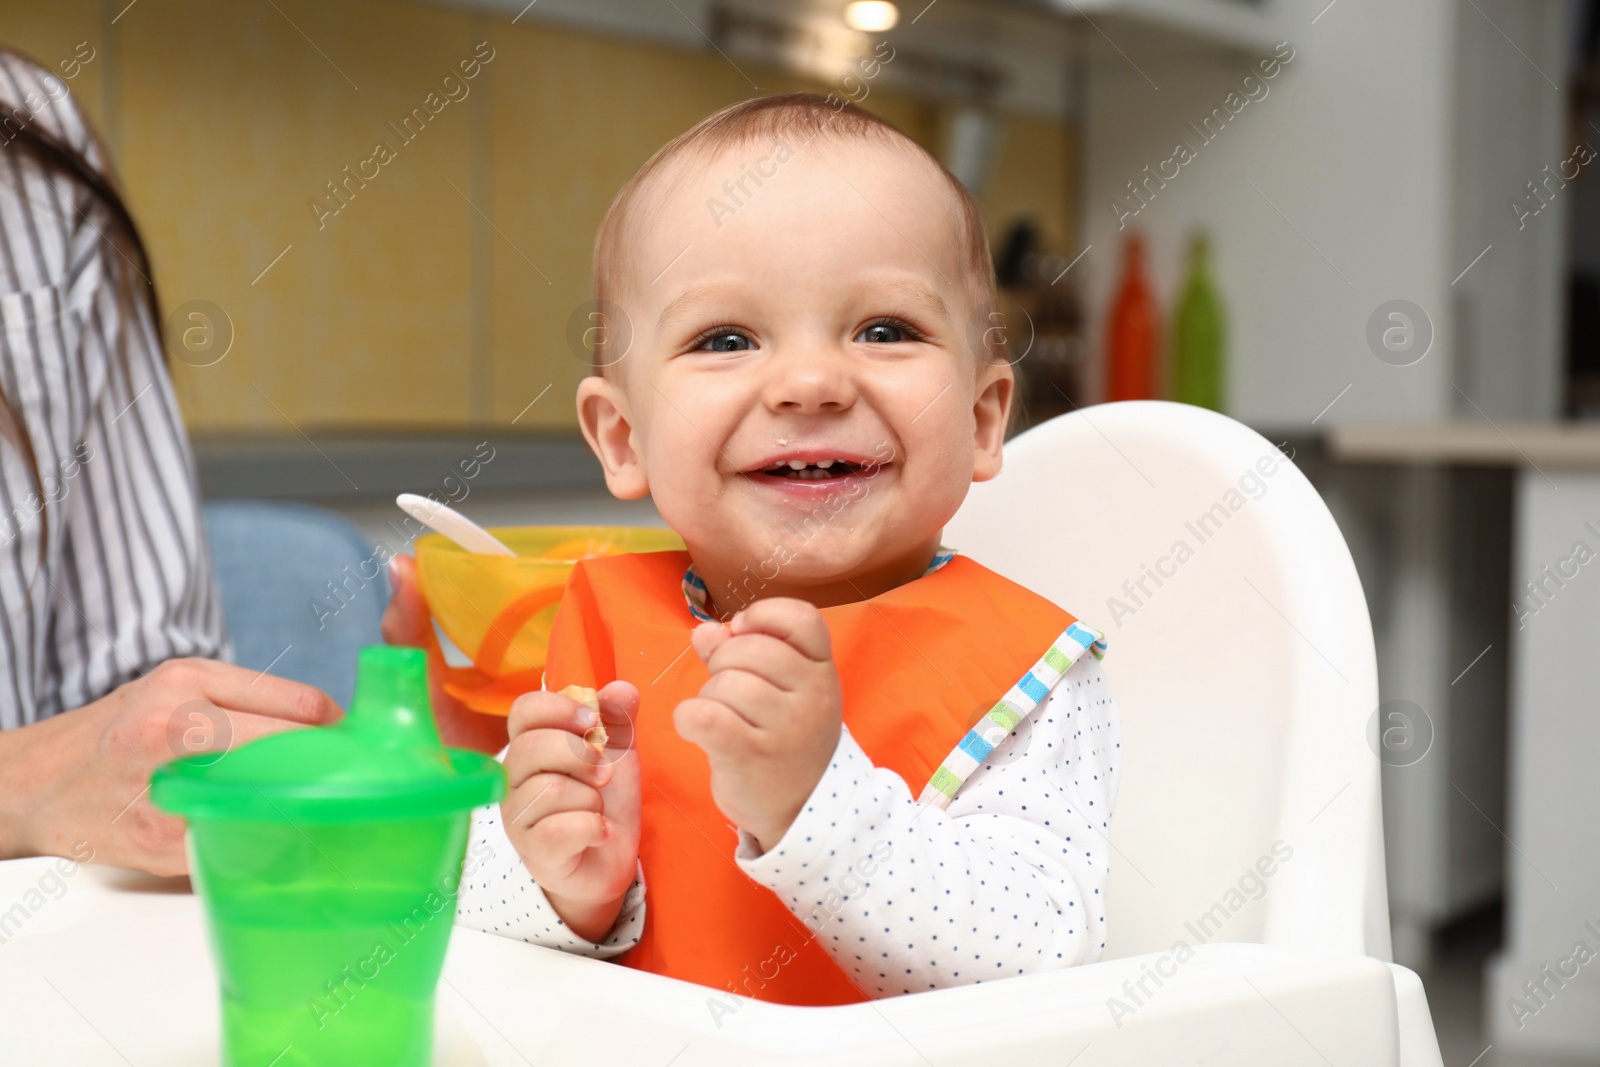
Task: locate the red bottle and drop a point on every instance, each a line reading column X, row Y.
column 1131, row 333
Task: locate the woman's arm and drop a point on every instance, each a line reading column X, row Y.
column 1008, row 880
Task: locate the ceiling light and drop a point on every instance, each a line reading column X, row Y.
column 870, row 16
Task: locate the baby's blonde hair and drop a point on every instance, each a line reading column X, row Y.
column 804, row 116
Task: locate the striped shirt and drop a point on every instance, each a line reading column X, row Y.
column 125, row 580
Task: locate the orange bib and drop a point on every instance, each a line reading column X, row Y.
column 918, row 665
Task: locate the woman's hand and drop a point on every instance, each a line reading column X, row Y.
column 82, row 778
column 770, row 715
column 406, row 622
column 573, row 812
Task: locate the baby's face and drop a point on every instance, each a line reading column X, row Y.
column 824, row 319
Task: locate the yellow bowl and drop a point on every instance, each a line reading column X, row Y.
column 498, row 609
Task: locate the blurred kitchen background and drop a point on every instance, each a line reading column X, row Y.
column 1401, row 285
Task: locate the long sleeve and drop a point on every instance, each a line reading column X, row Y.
column 499, row 896
column 1008, row 880
column 104, row 568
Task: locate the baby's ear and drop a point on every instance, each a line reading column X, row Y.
column 989, row 415
column 607, row 424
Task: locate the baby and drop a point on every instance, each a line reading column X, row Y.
column 841, row 761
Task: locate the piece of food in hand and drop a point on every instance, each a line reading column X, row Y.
column 596, row 734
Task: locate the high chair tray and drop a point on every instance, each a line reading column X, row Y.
column 107, row 966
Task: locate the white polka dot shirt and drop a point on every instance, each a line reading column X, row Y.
column 1009, row 879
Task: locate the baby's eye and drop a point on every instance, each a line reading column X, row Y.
column 887, row 333
column 724, row 341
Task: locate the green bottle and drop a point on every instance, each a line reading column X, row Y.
column 1198, row 334
column 328, row 863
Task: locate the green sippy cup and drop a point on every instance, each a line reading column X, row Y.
column 328, row 861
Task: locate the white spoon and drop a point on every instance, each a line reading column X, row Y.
column 452, row 524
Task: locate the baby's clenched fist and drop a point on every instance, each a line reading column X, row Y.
column 769, row 716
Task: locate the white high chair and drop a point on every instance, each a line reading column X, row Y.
column 1241, row 655
column 1247, row 914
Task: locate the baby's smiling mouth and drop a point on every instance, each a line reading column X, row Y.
column 821, row 470
column 793, row 466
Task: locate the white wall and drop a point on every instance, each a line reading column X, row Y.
column 1353, row 144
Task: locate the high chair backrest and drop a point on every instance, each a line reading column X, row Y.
column 1241, row 655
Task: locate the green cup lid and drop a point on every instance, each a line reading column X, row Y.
column 382, row 761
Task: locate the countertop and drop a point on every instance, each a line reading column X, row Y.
column 1468, row 443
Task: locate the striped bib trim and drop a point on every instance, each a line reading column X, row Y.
column 1019, row 702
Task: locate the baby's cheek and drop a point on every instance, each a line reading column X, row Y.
column 685, row 497
column 939, row 472
column 705, row 516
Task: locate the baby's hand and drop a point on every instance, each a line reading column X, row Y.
column 769, row 716
column 572, row 811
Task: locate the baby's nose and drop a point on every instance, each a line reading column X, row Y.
column 815, row 379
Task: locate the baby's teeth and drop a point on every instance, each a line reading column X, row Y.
column 797, row 464
column 824, row 463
